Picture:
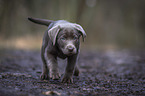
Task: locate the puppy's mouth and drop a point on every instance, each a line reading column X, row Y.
column 68, row 53
column 69, row 50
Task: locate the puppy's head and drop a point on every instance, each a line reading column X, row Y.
column 68, row 41
column 66, row 35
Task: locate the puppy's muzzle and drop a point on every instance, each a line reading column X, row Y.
column 70, row 48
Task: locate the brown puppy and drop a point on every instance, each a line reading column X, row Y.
column 60, row 40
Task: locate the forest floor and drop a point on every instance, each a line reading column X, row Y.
column 103, row 73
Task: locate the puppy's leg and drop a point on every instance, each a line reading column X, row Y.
column 67, row 78
column 76, row 72
column 53, row 66
column 45, row 70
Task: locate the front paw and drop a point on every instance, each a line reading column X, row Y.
column 67, row 79
column 54, row 75
column 44, row 76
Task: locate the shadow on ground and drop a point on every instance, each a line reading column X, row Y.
column 102, row 73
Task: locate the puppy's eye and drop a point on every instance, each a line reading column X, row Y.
column 62, row 38
column 75, row 38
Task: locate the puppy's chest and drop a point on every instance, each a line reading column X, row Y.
column 55, row 51
column 61, row 55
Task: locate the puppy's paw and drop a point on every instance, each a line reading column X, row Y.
column 67, row 79
column 44, row 76
column 54, row 75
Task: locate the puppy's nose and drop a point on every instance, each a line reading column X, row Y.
column 70, row 48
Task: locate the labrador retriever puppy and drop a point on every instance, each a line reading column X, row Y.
column 62, row 40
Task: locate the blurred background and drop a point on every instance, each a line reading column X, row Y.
column 109, row 24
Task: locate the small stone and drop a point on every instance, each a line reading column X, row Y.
column 87, row 89
column 52, row 93
column 84, row 89
column 16, row 88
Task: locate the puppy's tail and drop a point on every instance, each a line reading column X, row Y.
column 40, row 21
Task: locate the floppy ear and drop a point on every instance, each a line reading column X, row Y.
column 79, row 28
column 53, row 32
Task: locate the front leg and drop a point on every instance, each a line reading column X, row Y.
column 53, row 66
column 71, row 62
column 45, row 70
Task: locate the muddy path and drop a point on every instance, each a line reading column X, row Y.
column 102, row 73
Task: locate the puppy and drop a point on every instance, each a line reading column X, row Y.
column 62, row 40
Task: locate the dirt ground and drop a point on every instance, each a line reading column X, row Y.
column 103, row 73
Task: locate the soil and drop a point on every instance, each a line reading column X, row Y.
column 103, row 73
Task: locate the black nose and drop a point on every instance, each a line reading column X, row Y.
column 70, row 49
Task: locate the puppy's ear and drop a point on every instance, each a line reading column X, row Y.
column 81, row 30
column 53, row 32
